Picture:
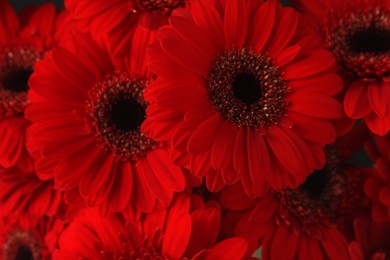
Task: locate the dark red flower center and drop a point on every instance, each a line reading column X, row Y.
column 360, row 40
column 21, row 245
column 17, row 80
column 370, row 40
column 115, row 112
column 127, row 114
column 16, row 67
column 247, row 89
column 315, row 183
column 158, row 6
column 319, row 198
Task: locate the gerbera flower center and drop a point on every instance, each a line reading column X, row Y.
column 158, row 6
column 127, row 115
column 247, row 89
column 17, row 80
column 319, row 198
column 115, row 112
column 360, row 40
column 315, row 183
column 16, row 67
column 370, row 40
column 21, row 245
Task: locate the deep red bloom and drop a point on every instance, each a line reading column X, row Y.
column 307, row 222
column 371, row 240
column 86, row 112
column 24, row 195
column 38, row 241
column 23, row 41
column 118, row 17
column 179, row 232
column 358, row 33
column 243, row 92
column 377, row 185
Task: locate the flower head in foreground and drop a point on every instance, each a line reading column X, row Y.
column 377, row 184
column 23, row 41
column 358, row 34
column 244, row 91
column 118, row 17
column 86, row 113
column 174, row 233
column 307, row 222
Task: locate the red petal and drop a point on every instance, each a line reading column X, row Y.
column 222, row 149
column 142, row 196
column 158, row 188
column 236, row 23
column 203, row 137
column 384, row 196
column 214, row 181
column 95, row 177
column 42, row 19
column 233, row 248
column 313, row 129
column 263, row 22
column 335, row 244
column 327, row 83
column 177, row 237
column 287, row 240
column 285, row 150
column 207, row 17
column 379, row 95
column 184, row 54
column 197, row 38
column 378, row 125
column 287, row 55
column 315, row 105
column 309, row 248
column 356, row 104
column 309, row 63
column 258, row 157
column 166, row 172
column 282, row 34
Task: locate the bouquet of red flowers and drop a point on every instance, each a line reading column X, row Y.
column 195, row 129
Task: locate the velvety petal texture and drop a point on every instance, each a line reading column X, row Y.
column 178, row 232
column 24, row 41
column 344, row 26
column 86, row 111
column 216, row 106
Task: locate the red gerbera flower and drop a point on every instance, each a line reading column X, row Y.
column 377, row 185
column 371, row 240
column 173, row 233
column 358, row 33
column 23, row 194
column 23, row 41
column 86, row 112
column 37, row 241
column 306, row 222
column 119, row 16
column 243, row 88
